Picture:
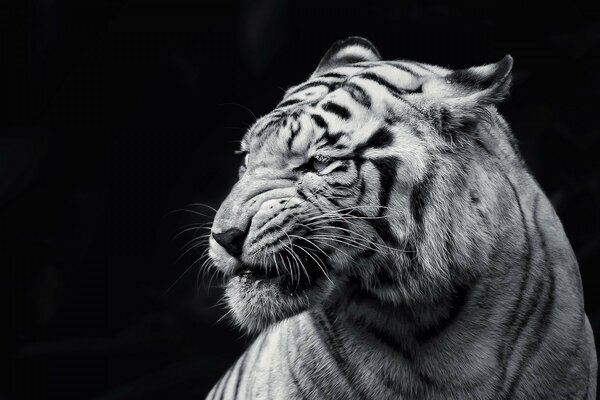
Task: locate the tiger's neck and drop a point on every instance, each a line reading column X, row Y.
column 402, row 328
column 404, row 350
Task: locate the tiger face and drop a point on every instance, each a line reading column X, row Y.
column 334, row 180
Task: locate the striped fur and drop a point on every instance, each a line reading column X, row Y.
column 386, row 241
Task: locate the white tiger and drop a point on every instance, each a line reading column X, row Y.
column 387, row 240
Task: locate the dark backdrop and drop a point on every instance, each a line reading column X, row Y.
column 123, row 112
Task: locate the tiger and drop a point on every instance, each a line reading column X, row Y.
column 386, row 240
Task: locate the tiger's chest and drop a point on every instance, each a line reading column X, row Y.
column 296, row 359
column 283, row 363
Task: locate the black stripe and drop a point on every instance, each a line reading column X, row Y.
column 240, row 375
column 258, row 353
column 319, row 120
column 386, row 338
column 268, row 382
column 329, row 139
column 538, row 291
column 453, row 128
column 367, row 253
column 357, row 93
column 361, row 191
column 381, row 138
column 386, row 378
column 336, row 203
column 588, row 374
column 364, row 64
column 295, row 380
column 311, row 367
column 302, row 195
column 418, row 202
column 223, row 384
column 384, row 230
column 384, row 276
column 332, row 75
column 514, row 312
column 280, row 227
column 405, row 69
column 387, row 168
column 509, row 345
column 420, row 194
column 272, row 229
column 394, row 91
column 541, row 328
column 457, row 303
column 324, row 329
column 397, row 344
column 480, row 142
column 340, row 168
column 414, row 267
column 288, row 103
column 310, row 84
column 351, row 59
column 544, row 320
column 337, row 109
column 421, row 65
column 217, row 387
column 273, row 122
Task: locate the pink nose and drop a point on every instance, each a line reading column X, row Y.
column 231, row 240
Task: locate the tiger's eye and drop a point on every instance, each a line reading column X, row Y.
column 319, row 162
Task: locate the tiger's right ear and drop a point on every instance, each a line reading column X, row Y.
column 482, row 85
column 345, row 52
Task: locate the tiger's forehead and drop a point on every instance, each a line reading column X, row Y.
column 335, row 109
column 402, row 75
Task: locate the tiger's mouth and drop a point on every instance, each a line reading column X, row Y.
column 255, row 272
column 255, row 277
column 290, row 278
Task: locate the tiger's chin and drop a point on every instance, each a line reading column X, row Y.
column 258, row 300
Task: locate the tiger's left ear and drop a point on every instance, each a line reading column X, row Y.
column 486, row 84
column 345, row 52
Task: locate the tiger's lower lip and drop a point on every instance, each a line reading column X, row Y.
column 258, row 272
column 253, row 276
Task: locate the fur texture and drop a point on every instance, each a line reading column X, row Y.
column 386, row 241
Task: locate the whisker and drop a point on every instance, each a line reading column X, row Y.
column 242, row 107
column 360, row 236
column 311, row 243
column 184, row 273
column 188, row 211
column 321, row 267
column 356, row 245
column 194, row 228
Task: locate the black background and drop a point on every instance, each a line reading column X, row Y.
column 123, row 112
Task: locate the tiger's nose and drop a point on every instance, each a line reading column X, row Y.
column 231, row 240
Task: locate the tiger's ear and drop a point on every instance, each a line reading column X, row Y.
column 485, row 84
column 345, row 52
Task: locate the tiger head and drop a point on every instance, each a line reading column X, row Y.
column 371, row 172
